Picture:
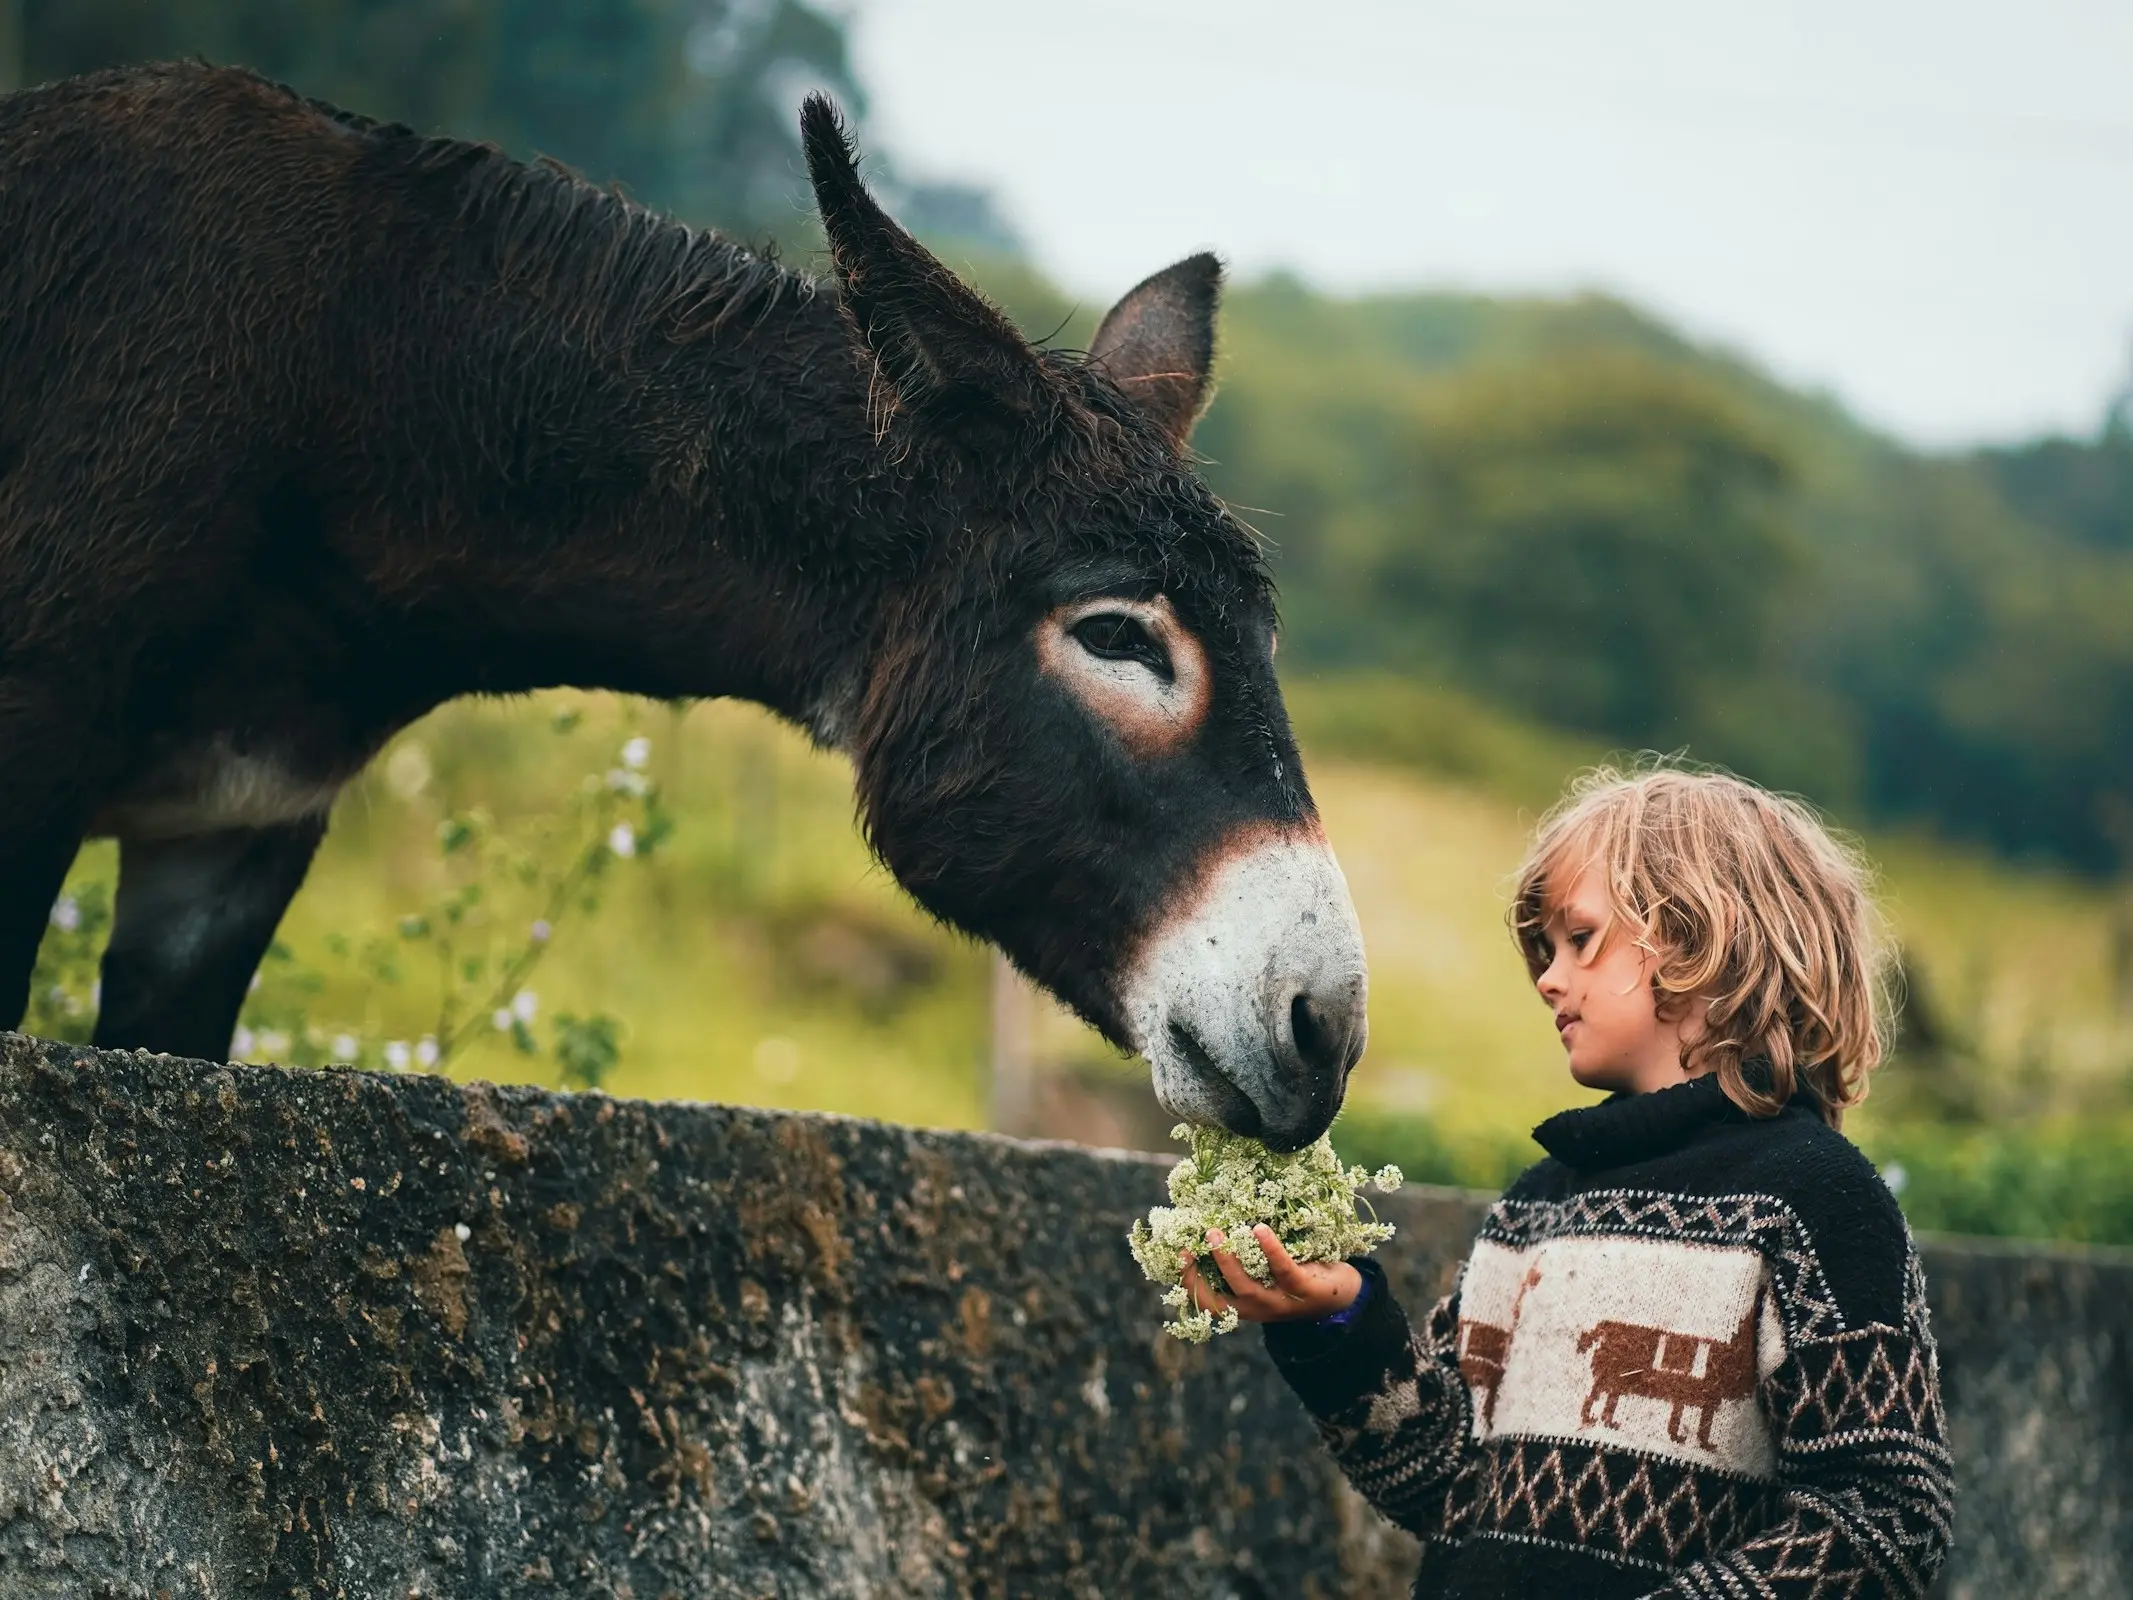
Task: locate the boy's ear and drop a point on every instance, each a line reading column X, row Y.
column 1158, row 343
column 947, row 352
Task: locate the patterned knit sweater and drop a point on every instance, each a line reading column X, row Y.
column 1688, row 1357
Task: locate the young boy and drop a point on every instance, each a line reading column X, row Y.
column 1688, row 1355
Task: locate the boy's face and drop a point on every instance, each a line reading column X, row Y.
column 1599, row 985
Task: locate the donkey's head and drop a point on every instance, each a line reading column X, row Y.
column 1069, row 736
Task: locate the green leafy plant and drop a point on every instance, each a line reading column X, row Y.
column 2063, row 1179
column 1233, row 1183
column 588, row 1048
column 483, row 933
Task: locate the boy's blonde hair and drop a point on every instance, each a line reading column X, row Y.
column 1741, row 897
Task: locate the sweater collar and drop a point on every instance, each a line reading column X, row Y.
column 1635, row 1127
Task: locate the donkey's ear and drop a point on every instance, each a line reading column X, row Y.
column 1158, row 344
column 948, row 353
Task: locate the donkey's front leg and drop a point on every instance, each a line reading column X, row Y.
column 33, row 864
column 50, row 763
column 194, row 916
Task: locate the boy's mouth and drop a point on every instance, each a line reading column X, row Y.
column 1563, row 1019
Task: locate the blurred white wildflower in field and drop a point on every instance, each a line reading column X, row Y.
column 407, row 770
column 777, row 1059
column 1234, row 1183
column 536, row 871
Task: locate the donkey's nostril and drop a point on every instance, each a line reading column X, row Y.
column 1326, row 1045
column 1305, row 1030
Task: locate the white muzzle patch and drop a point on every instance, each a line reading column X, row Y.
column 1213, row 996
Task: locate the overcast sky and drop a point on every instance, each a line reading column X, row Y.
column 1926, row 208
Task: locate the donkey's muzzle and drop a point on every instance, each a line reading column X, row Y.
column 1249, row 999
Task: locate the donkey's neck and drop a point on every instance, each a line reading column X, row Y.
column 681, row 494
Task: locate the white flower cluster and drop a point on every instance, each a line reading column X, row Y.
column 1233, row 1183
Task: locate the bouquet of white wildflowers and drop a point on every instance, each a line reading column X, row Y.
column 1234, row 1183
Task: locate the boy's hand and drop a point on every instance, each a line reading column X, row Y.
column 1301, row 1292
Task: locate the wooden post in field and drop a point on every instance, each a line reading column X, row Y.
column 2122, row 952
column 1014, row 1076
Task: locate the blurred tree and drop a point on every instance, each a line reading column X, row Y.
column 1598, row 540
column 10, row 45
column 2082, row 487
column 967, row 215
column 692, row 105
column 751, row 62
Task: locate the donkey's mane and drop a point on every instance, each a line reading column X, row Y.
column 621, row 268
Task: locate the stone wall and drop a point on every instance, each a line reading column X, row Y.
column 282, row 1333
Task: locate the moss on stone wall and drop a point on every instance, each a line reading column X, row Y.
column 269, row 1332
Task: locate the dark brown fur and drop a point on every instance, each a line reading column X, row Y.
column 309, row 424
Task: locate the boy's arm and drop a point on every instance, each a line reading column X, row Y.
column 1388, row 1400
column 1869, row 1483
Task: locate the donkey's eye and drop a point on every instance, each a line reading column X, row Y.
column 1120, row 636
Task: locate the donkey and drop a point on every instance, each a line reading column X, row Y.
column 309, row 423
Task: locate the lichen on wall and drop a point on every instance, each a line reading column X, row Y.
column 268, row 1332
column 362, row 1335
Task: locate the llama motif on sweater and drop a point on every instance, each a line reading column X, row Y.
column 1688, row 1356
column 1636, row 1341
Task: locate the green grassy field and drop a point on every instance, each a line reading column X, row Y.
column 761, row 956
